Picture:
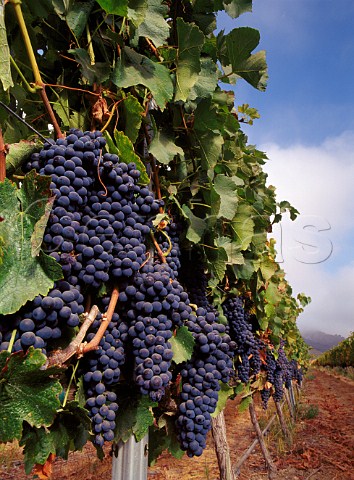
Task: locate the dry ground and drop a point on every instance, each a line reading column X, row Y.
column 322, row 449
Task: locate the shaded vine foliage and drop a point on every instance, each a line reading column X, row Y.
column 169, row 206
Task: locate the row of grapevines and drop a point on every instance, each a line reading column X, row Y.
column 139, row 289
column 340, row 356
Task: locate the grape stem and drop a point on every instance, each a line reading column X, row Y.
column 59, row 357
column 36, row 73
column 158, row 249
column 69, row 385
column 3, row 153
column 106, row 319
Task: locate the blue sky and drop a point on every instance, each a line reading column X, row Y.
column 307, row 130
column 310, row 52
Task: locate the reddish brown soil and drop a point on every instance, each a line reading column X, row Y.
column 322, row 449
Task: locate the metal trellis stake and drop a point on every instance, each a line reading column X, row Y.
column 131, row 462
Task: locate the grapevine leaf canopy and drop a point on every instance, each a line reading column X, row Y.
column 133, row 112
column 154, row 25
column 136, row 420
column 190, row 43
column 18, row 153
column 164, row 148
column 78, row 15
column 115, row 7
column 27, row 393
column 134, row 69
column 23, row 276
column 124, row 148
column 149, row 72
column 68, row 432
column 234, row 8
column 235, row 50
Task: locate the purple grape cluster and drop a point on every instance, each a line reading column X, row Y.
column 212, row 361
column 240, row 330
column 102, row 370
column 44, row 318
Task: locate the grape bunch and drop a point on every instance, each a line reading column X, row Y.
column 153, row 304
column 211, row 362
column 274, row 376
column 44, row 318
column 101, row 371
column 100, row 217
column 240, row 330
column 296, row 372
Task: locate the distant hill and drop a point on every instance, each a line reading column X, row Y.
column 320, row 341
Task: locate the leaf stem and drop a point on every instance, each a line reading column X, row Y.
column 90, row 46
column 17, row 68
column 12, row 340
column 36, row 73
column 3, row 152
column 69, row 384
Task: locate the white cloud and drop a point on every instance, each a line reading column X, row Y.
column 315, row 249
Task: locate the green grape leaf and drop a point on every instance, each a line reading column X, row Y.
column 135, row 417
column 5, row 69
column 206, row 82
column 243, row 225
column 134, row 69
column 78, row 16
column 272, row 295
column 22, row 275
column 226, row 188
column 224, row 393
column 97, row 73
column 210, row 145
column 80, row 397
column 234, row 8
column 27, row 393
column 182, row 345
column 61, row 7
column 268, row 268
column 245, row 403
column 115, row 7
column 164, row 149
column 39, row 228
column 127, row 155
column 133, row 116
column 164, row 438
column 39, row 444
column 155, row 27
column 69, row 432
column 18, row 153
column 137, row 10
column 190, row 43
column 197, row 226
column 235, row 49
column 232, row 249
column 124, row 148
column 217, row 261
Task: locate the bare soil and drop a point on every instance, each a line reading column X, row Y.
column 322, row 447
